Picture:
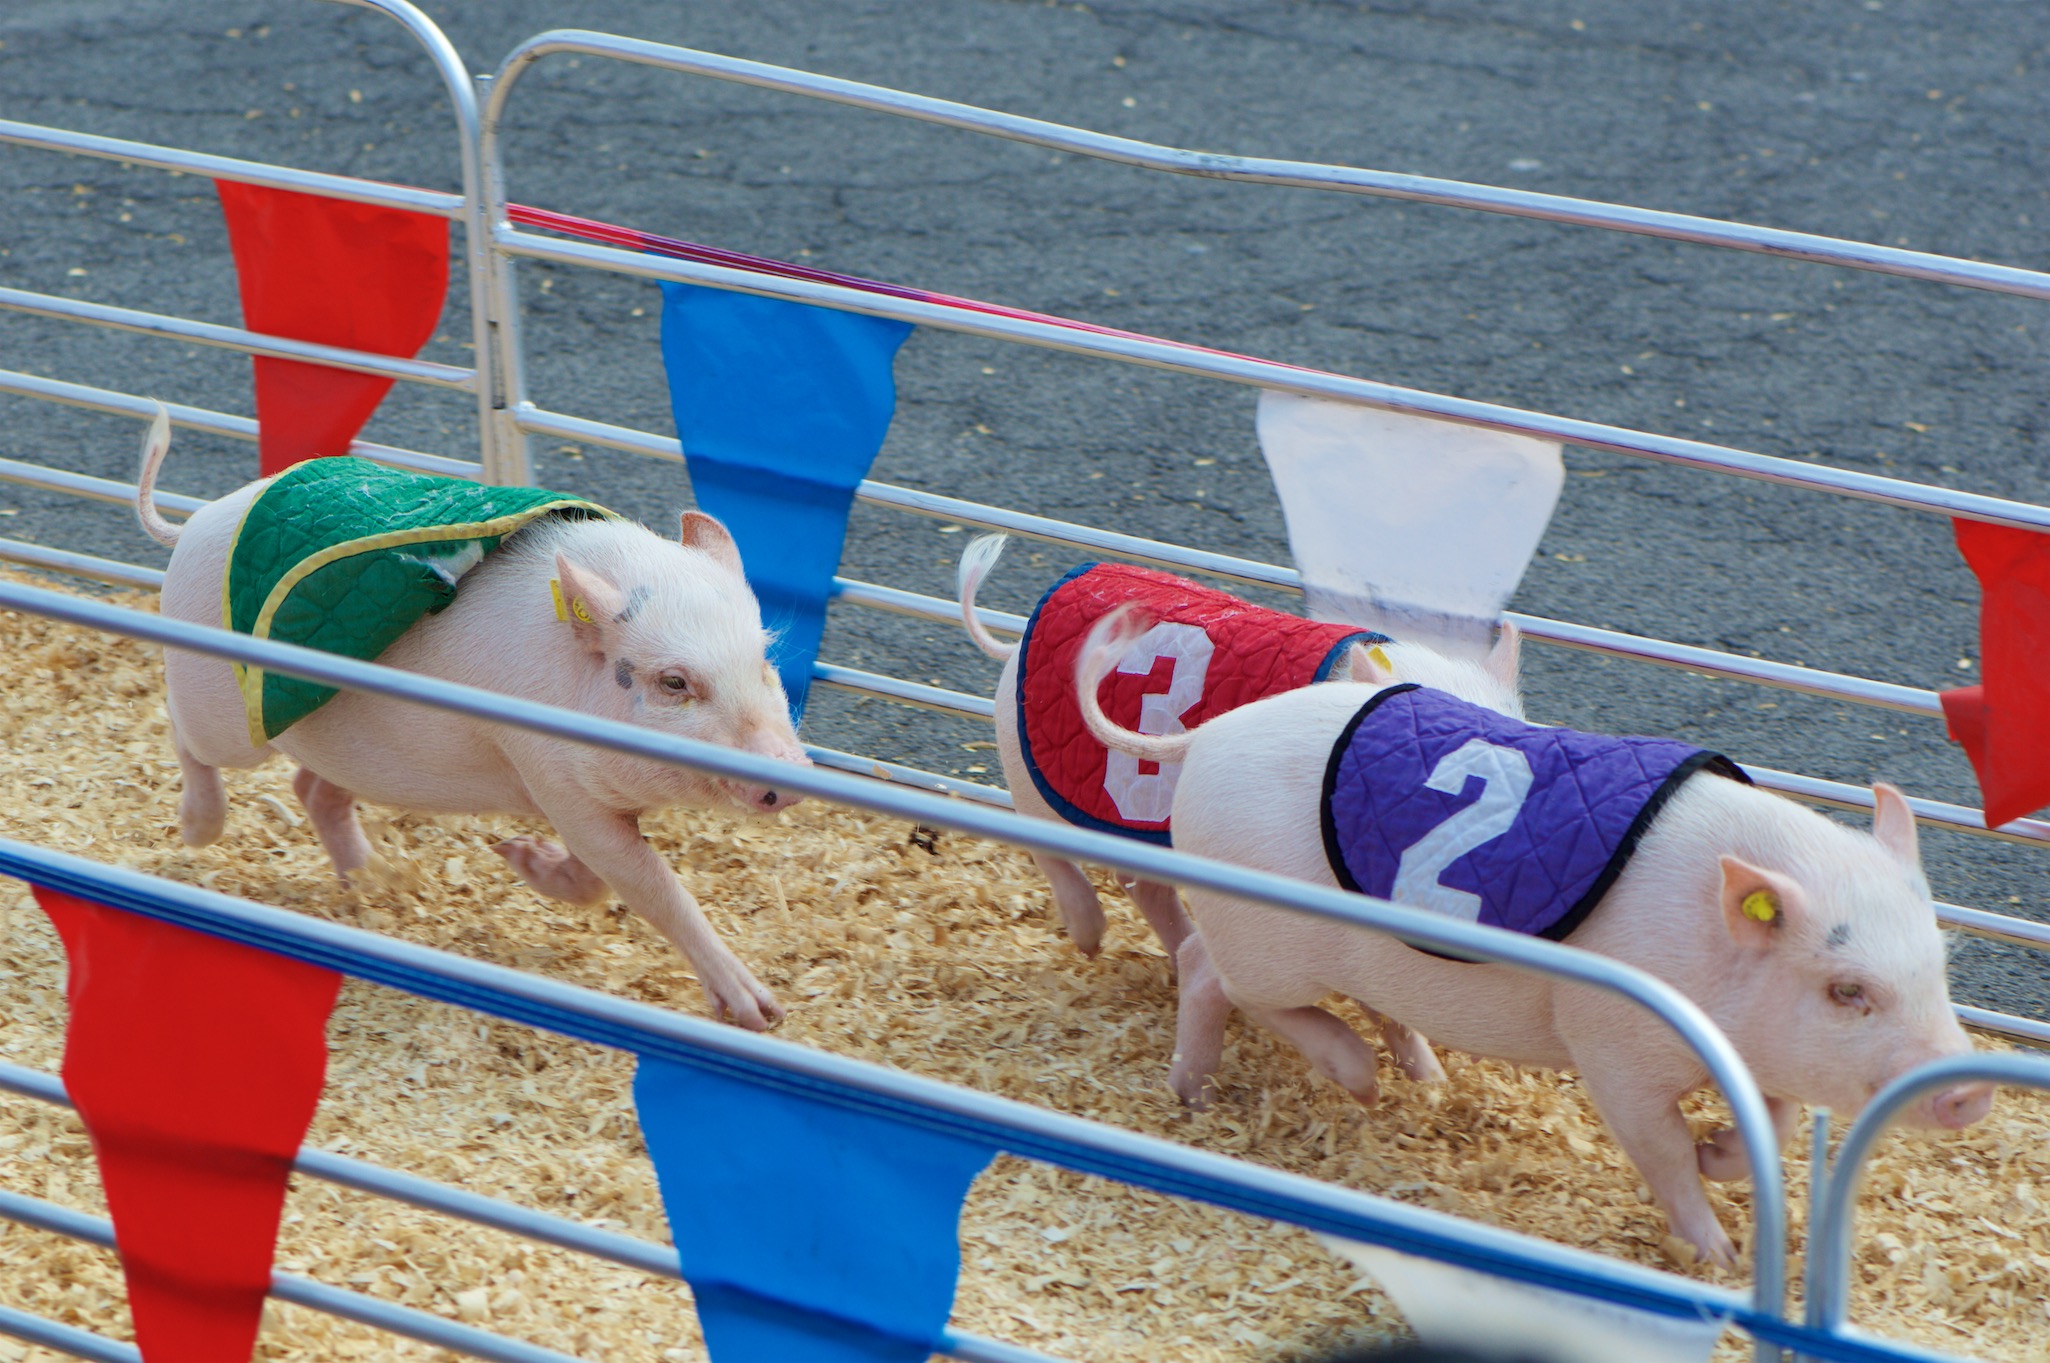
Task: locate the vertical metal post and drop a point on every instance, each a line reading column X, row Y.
column 501, row 465
column 514, row 463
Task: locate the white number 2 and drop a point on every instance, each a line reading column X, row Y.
column 1150, row 798
column 1507, row 775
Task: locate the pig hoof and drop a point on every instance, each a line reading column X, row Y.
column 1719, row 1251
column 1195, row 1090
column 201, row 827
column 1420, row 1065
column 1721, row 1157
column 755, row 1014
column 741, row 1000
column 550, row 869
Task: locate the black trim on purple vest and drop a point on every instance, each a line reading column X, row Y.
column 1334, row 854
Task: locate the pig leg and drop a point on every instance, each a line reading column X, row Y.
column 1162, row 907
column 610, row 846
column 1075, row 898
column 1200, row 1015
column 1410, row 1049
column 549, row 868
column 1647, row 1122
column 333, row 811
column 203, row 808
column 1333, row 1049
column 1722, row 1155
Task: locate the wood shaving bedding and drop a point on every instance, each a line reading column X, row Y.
column 936, row 955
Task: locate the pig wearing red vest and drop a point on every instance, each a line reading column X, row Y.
column 1206, row 653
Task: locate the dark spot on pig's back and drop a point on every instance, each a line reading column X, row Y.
column 635, row 599
column 623, row 673
column 1838, row 935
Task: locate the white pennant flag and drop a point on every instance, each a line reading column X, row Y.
column 1459, row 1308
column 1416, row 527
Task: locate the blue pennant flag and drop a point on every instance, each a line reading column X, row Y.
column 781, row 408
column 806, row 1231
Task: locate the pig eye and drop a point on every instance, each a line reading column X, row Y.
column 1849, row 995
column 675, row 684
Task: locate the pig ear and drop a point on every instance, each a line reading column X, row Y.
column 1503, row 660
column 1893, row 823
column 704, row 532
column 1368, row 663
column 589, row 602
column 1758, row 904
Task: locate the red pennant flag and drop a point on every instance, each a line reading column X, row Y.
column 196, row 1065
column 2004, row 724
column 337, row 273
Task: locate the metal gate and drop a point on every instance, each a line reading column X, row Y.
column 499, row 234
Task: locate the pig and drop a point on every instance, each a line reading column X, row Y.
column 1491, row 682
column 674, row 642
column 1813, row 946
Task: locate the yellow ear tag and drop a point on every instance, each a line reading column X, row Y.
column 555, row 590
column 1761, row 907
column 1380, row 658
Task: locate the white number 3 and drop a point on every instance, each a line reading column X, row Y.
column 1149, row 798
column 1506, row 773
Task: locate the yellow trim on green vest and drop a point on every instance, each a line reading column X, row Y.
column 251, row 678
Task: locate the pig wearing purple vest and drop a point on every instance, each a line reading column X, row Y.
column 1813, row 947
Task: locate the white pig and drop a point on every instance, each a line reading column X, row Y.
column 1812, row 946
column 1492, row 683
column 675, row 643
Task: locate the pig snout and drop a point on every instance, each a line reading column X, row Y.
column 1954, row 1108
column 767, row 799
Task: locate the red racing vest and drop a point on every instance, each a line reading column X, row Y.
column 1207, row 653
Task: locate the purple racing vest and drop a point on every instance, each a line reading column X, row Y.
column 1443, row 805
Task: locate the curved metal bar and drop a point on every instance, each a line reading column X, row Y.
column 903, row 692
column 212, row 422
column 546, row 1228
column 1019, row 1128
column 1160, row 553
column 181, row 162
column 1262, row 170
column 462, row 99
column 1266, row 374
column 1189, row 359
column 2000, row 927
column 79, row 565
column 334, row 1301
column 1410, row 925
column 66, row 1339
column 1936, row 813
column 1829, row 1251
column 2026, row 1031
column 875, row 596
column 914, row 777
column 236, row 338
column 92, row 489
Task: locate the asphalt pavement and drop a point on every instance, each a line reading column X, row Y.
column 1914, row 124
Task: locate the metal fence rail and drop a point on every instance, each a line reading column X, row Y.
column 1020, row 1129
column 506, row 416
column 1829, row 1244
column 414, row 1191
column 1411, row 925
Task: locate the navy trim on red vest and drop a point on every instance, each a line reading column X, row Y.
column 1159, row 837
column 1343, row 647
